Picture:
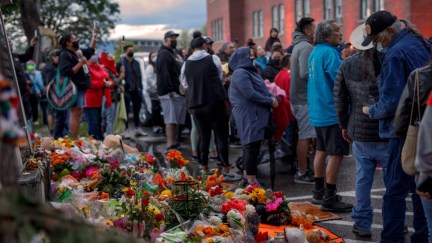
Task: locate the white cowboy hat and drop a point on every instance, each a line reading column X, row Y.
column 358, row 36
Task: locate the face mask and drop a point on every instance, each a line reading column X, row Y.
column 276, row 62
column 30, row 68
column 130, row 54
column 154, row 59
column 173, row 44
column 76, row 44
column 380, row 48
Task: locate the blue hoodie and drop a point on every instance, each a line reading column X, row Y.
column 323, row 65
column 249, row 97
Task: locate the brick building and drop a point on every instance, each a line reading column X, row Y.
column 243, row 19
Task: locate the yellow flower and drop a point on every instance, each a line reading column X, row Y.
column 229, row 195
column 133, row 183
column 125, row 189
column 166, row 193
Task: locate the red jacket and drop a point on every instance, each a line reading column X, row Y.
column 97, row 90
column 282, row 114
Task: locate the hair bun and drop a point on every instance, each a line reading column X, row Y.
column 196, row 34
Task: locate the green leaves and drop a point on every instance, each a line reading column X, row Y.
column 64, row 16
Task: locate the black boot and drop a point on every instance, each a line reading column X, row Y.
column 333, row 203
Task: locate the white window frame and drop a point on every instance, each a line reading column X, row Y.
column 379, row 5
column 298, row 10
column 217, row 28
column 275, row 17
column 338, row 10
column 306, row 8
column 281, row 11
column 327, row 9
column 260, row 23
column 364, row 9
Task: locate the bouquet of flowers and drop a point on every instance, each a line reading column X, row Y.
column 276, row 211
column 176, row 159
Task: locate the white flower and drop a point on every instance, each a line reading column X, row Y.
column 215, row 220
column 238, row 191
column 249, row 209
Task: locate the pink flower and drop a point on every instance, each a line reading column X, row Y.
column 91, row 170
column 273, row 206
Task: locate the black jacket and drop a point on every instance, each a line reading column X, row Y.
column 133, row 77
column 67, row 60
column 270, row 72
column 356, row 87
column 403, row 112
column 168, row 69
column 18, row 59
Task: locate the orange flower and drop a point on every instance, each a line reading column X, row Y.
column 104, row 195
column 173, row 154
column 224, row 228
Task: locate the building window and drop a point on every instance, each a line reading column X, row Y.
column 258, row 23
column 275, row 17
column 217, row 28
column 281, row 19
column 327, row 9
column 302, row 9
column 379, row 5
column 278, row 18
column 306, row 8
column 338, row 11
column 298, row 10
column 364, row 9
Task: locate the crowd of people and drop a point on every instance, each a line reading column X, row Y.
column 329, row 94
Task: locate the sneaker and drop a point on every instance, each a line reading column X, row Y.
column 364, row 233
column 335, row 204
column 304, row 178
column 126, row 135
column 140, row 132
column 231, row 176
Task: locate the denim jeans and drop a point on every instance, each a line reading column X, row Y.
column 398, row 184
column 61, row 123
column 108, row 116
column 94, row 120
column 367, row 155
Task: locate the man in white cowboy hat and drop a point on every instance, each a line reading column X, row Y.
column 356, row 86
column 404, row 52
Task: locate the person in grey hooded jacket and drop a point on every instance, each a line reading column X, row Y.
column 251, row 103
column 302, row 42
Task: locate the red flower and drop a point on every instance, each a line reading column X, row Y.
column 150, row 158
column 217, row 190
column 277, row 194
column 76, row 175
column 239, row 205
column 145, row 202
column 114, row 165
column 159, row 217
column 251, row 188
column 181, row 197
column 261, row 237
column 130, row 193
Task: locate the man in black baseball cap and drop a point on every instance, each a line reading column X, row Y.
column 377, row 23
column 404, row 52
column 170, row 33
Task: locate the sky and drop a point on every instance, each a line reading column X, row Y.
column 152, row 18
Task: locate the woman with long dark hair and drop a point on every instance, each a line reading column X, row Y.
column 272, row 39
column 75, row 68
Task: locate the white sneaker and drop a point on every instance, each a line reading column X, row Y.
column 231, row 176
column 126, row 135
column 140, row 132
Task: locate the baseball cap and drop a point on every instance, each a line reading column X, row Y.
column 170, row 33
column 208, row 40
column 376, row 23
column 358, row 36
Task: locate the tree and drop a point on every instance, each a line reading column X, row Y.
column 62, row 16
column 184, row 40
